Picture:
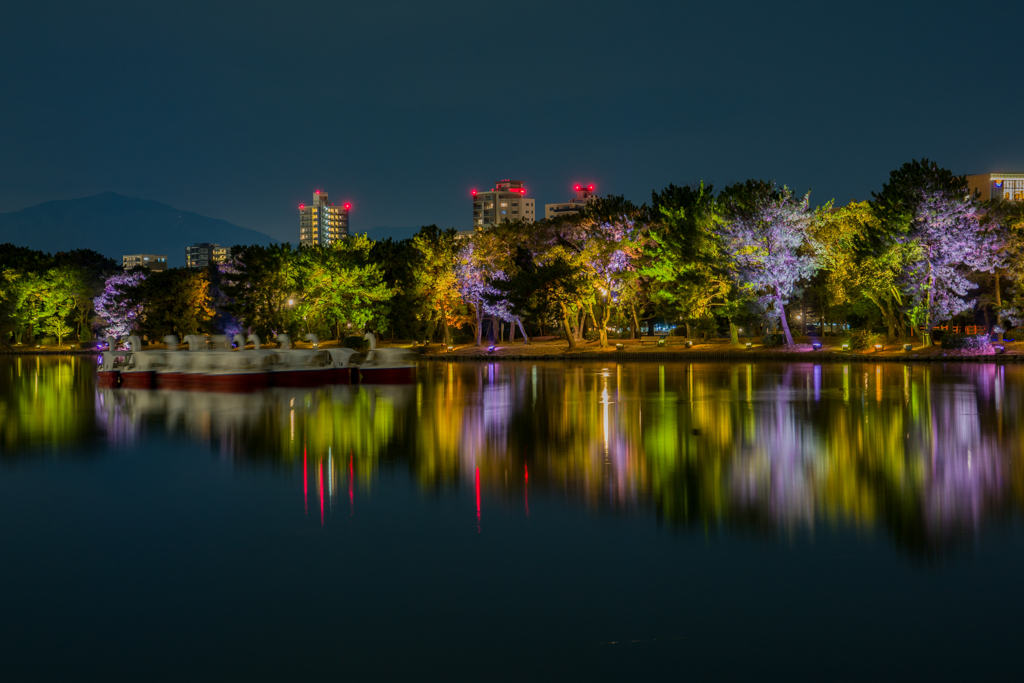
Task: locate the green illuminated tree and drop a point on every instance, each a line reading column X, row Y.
column 436, row 281
column 174, row 301
column 263, row 288
column 852, row 274
column 688, row 258
column 340, row 289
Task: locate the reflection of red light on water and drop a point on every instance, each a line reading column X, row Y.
column 526, row 487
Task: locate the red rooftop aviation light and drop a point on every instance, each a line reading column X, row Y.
column 591, row 187
column 317, row 192
column 577, row 187
column 473, row 192
column 347, row 206
column 302, row 206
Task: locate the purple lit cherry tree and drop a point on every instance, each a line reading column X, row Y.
column 116, row 306
column 474, row 280
column 766, row 236
column 947, row 240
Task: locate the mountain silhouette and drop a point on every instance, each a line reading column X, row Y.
column 114, row 225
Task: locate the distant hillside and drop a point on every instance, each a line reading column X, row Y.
column 115, row 225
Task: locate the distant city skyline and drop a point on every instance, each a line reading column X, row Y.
column 219, row 110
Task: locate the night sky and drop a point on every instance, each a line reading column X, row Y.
column 239, row 111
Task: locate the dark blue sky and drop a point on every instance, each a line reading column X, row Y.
column 240, row 110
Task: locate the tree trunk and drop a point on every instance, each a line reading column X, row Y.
column 511, row 332
column 447, row 333
column 734, row 333
column 635, row 331
column 606, row 314
column 493, row 332
column 570, row 337
column 602, row 329
column 478, row 311
column 526, row 339
column 782, row 317
column 928, row 311
column 689, row 333
column 886, row 316
column 999, row 309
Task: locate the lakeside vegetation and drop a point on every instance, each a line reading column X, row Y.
column 753, row 259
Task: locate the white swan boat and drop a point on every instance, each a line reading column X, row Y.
column 386, row 366
column 221, row 368
column 236, row 370
column 139, row 372
column 300, row 367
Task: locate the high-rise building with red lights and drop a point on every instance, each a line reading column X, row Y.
column 321, row 222
column 505, row 203
column 584, row 195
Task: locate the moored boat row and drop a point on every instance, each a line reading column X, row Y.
column 230, row 366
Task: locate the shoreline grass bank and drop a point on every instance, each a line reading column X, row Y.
column 708, row 351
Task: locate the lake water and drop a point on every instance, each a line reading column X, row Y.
column 517, row 521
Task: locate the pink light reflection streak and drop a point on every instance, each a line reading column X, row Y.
column 526, row 487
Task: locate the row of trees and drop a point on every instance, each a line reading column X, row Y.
column 49, row 295
column 754, row 255
column 923, row 251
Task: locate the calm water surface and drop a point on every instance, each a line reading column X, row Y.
column 517, row 521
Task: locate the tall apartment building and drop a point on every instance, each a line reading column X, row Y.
column 322, row 223
column 505, row 203
column 1007, row 186
column 202, row 254
column 584, row 195
column 151, row 261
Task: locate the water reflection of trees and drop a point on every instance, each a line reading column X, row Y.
column 921, row 450
column 929, row 453
column 46, row 403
